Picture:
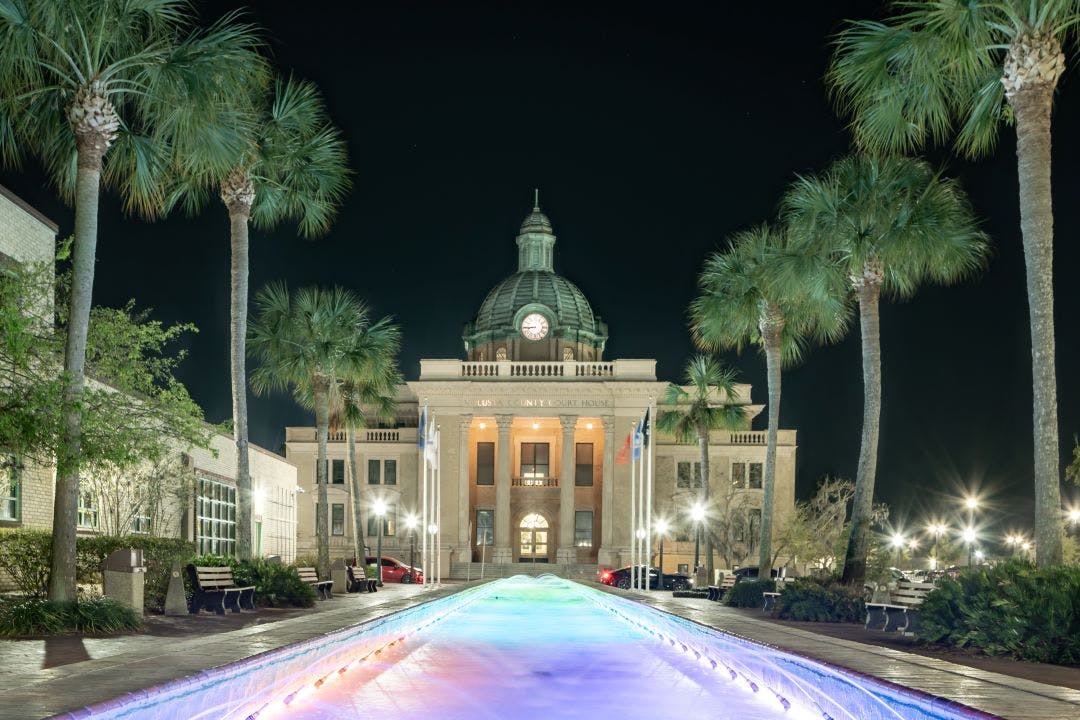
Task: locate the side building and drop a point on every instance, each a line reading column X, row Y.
column 193, row 492
column 534, row 425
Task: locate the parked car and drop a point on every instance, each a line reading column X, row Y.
column 393, row 570
column 622, row 578
column 751, row 572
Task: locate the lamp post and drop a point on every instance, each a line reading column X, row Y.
column 410, row 522
column 697, row 514
column 661, row 529
column 898, row 542
column 380, row 512
column 969, row 539
column 936, row 530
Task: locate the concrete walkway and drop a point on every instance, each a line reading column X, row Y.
column 39, row 681
column 1002, row 695
column 114, row 666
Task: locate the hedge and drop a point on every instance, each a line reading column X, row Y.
column 1008, row 609
column 748, row 593
column 815, row 600
column 276, row 585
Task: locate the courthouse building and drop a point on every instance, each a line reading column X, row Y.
column 533, row 422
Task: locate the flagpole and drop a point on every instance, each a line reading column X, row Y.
column 639, row 445
column 633, row 506
column 648, row 500
column 423, row 495
column 438, row 506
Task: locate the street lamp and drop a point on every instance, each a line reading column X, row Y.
column 697, row 514
column 661, row 529
column 969, row 538
column 936, row 530
column 380, row 512
column 411, row 522
column 898, row 541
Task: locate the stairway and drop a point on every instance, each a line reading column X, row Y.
column 463, row 571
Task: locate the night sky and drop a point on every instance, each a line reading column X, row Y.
column 653, row 131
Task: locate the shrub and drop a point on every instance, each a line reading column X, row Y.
column 1008, row 609
column 748, row 594
column 820, row 601
column 24, row 555
column 159, row 555
column 35, row 616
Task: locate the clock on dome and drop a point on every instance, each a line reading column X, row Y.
column 534, row 326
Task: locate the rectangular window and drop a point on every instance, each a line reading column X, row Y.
column 583, row 464
column 684, row 569
column 485, row 527
column 88, row 512
column 755, row 476
column 382, row 472
column 534, row 460
column 215, row 517
column 485, row 463
column 389, row 522
column 390, row 472
column 583, row 522
column 337, row 477
column 10, row 488
column 337, row 519
column 140, row 524
column 688, row 475
column 738, row 475
column 374, row 472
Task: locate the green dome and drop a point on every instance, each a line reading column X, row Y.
column 535, row 287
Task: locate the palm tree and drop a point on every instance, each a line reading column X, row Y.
column 763, row 291
column 962, row 69
column 892, row 224
column 310, row 343
column 709, row 402
column 78, row 79
column 292, row 166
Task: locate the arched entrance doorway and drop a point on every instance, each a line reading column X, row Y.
column 533, row 533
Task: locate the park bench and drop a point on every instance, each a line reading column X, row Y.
column 901, row 612
column 716, row 592
column 323, row 588
column 213, row 588
column 358, row 581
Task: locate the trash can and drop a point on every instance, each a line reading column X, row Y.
column 340, row 575
column 124, row 576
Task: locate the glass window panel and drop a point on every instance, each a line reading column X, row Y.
column 338, row 475
column 374, row 467
column 738, row 475
column 755, row 476
column 337, row 519
column 485, row 524
column 390, row 472
column 583, row 465
column 583, row 528
column 540, row 536
column 540, row 550
column 526, row 536
column 485, row 463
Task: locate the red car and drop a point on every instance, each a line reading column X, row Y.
column 393, row 570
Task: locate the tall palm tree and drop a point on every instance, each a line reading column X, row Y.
column 292, row 166
column 962, row 69
column 78, row 79
column 892, row 224
column 709, row 402
column 310, row 343
column 765, row 292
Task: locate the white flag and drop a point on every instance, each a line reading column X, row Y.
column 431, row 446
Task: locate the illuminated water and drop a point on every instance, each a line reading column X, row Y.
column 524, row 648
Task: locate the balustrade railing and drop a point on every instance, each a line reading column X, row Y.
column 548, row 482
column 754, row 437
column 562, row 370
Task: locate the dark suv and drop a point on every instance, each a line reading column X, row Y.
column 622, row 578
column 746, row 574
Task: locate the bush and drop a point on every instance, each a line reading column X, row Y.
column 1008, row 609
column 159, row 554
column 35, row 616
column 748, row 594
column 24, row 556
column 815, row 600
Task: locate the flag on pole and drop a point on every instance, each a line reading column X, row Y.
column 624, row 455
column 421, row 433
column 637, row 441
column 645, row 430
column 431, row 446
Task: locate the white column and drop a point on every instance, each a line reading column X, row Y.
column 567, row 551
column 465, row 512
column 607, row 512
column 503, row 552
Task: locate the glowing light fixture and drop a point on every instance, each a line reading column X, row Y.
column 411, row 521
column 589, row 426
column 969, row 535
column 898, row 541
column 697, row 512
column 536, row 426
column 661, row 526
column 483, row 426
column 971, row 502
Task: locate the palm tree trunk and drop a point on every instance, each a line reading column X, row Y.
column 354, row 479
column 66, row 503
column 703, row 447
column 238, row 193
column 238, row 225
column 869, row 294
column 772, row 365
column 1032, row 108
column 322, row 429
